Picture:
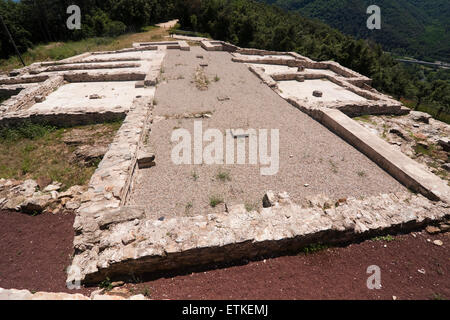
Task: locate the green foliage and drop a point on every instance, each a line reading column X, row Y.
column 408, row 26
column 414, row 27
column 251, row 24
column 387, row 238
column 27, row 130
column 30, row 151
column 37, row 21
column 106, row 284
column 313, row 248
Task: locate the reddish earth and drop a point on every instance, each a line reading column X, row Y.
column 336, row 273
column 34, row 252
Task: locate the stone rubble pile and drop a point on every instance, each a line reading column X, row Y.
column 42, row 196
column 417, row 135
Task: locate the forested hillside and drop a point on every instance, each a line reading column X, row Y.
column 243, row 22
column 36, row 21
column 409, row 27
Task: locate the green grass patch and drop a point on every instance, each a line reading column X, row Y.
column 365, row 118
column 387, row 238
column 30, row 151
column 27, row 130
column 315, row 247
column 418, row 148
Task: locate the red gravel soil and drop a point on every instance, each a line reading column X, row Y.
column 335, row 273
column 35, row 251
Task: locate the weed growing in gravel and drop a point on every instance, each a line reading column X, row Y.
column 188, row 208
column 194, row 176
column 214, row 201
column 216, row 78
column 250, row 207
column 223, row 176
column 333, row 166
column 361, row 174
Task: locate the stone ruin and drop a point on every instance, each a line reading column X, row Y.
column 115, row 240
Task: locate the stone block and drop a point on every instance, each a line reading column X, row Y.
column 139, row 84
column 317, row 93
column 145, row 159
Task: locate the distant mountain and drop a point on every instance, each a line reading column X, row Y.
column 419, row 28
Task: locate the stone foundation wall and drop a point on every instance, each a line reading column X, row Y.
column 27, row 97
column 104, row 76
column 23, row 79
column 121, row 242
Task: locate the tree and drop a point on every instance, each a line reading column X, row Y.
column 423, row 90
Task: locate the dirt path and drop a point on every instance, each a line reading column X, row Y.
column 309, row 153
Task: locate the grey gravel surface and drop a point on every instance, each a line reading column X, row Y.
column 310, row 154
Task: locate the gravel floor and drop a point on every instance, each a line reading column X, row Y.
column 309, row 153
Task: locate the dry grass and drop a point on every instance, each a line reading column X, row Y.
column 61, row 50
column 35, row 151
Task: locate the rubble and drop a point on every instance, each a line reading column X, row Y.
column 24, row 196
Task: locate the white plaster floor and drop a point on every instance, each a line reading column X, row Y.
column 273, row 68
column 75, row 96
column 331, row 92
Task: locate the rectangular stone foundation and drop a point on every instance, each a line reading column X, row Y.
column 120, row 243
